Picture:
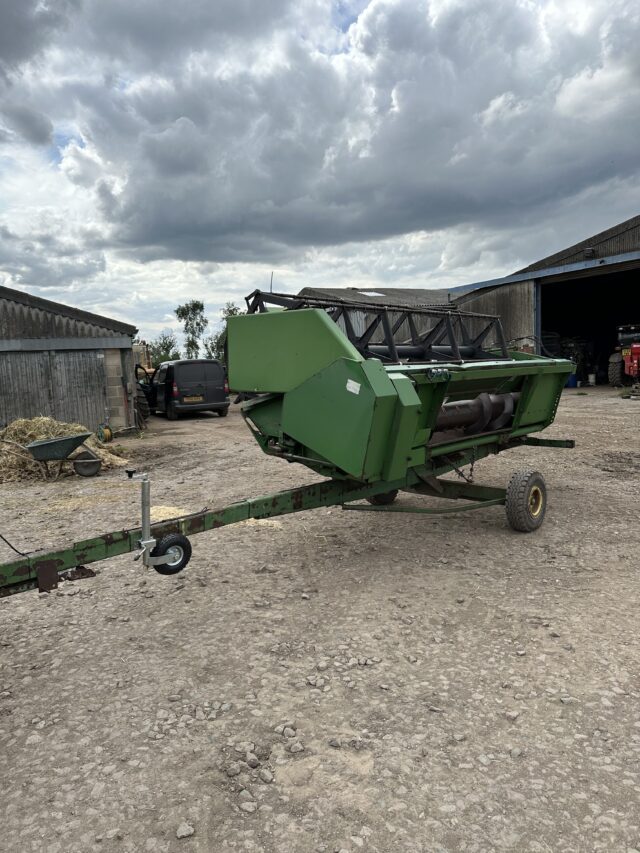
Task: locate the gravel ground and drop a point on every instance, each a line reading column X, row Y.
column 331, row 681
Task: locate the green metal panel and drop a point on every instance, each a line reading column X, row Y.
column 276, row 351
column 403, row 431
column 343, row 413
column 541, row 395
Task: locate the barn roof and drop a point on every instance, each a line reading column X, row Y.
column 613, row 250
column 621, row 239
column 23, row 315
column 409, row 296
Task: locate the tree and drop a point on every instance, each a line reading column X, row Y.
column 214, row 344
column 163, row 348
column 191, row 314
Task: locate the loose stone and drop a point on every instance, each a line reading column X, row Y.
column 184, row 830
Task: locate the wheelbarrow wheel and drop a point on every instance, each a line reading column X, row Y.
column 526, row 502
column 384, row 498
column 177, row 549
column 85, row 464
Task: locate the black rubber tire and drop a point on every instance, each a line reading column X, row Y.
column 526, row 503
column 85, row 464
column 384, row 498
column 616, row 370
column 172, row 415
column 142, row 404
column 223, row 413
column 180, row 548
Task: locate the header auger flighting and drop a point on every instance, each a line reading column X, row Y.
column 377, row 399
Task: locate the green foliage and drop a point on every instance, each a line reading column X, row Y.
column 164, row 348
column 214, row 344
column 191, row 315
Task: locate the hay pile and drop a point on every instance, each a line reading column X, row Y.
column 26, row 430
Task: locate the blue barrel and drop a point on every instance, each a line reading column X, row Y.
column 572, row 381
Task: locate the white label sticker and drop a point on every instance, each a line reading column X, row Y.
column 353, row 387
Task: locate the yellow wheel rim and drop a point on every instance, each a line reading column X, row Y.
column 536, row 501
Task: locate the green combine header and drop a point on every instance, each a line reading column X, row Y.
column 376, row 399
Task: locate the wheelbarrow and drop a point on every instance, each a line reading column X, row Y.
column 85, row 463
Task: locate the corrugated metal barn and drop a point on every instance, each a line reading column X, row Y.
column 64, row 363
column 569, row 303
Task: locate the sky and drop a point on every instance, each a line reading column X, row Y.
column 154, row 152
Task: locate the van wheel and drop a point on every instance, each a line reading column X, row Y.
column 172, row 415
column 223, row 413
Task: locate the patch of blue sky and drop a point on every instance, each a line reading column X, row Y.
column 61, row 139
column 346, row 12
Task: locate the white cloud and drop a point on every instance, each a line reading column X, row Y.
column 155, row 152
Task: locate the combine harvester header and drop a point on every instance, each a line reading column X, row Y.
column 375, row 398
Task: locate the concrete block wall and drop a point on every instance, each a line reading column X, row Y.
column 119, row 389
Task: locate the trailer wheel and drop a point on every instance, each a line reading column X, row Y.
column 178, row 551
column 384, row 498
column 526, row 501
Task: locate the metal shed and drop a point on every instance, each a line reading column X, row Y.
column 64, row 363
column 571, row 302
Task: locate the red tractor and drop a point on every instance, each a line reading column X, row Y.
column 624, row 364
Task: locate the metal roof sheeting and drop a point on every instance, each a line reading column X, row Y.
column 25, row 316
column 618, row 240
column 412, row 297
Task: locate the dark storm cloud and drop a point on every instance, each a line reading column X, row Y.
column 252, row 131
column 46, row 259
column 423, row 121
column 26, row 26
column 33, row 126
column 146, row 31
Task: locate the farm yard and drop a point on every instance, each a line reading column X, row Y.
column 330, row 681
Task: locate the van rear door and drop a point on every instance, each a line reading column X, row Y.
column 190, row 382
column 214, row 382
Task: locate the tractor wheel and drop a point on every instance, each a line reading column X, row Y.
column 526, row 501
column 384, row 498
column 616, row 370
column 178, row 551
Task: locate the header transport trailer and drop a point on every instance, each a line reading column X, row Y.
column 375, row 399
